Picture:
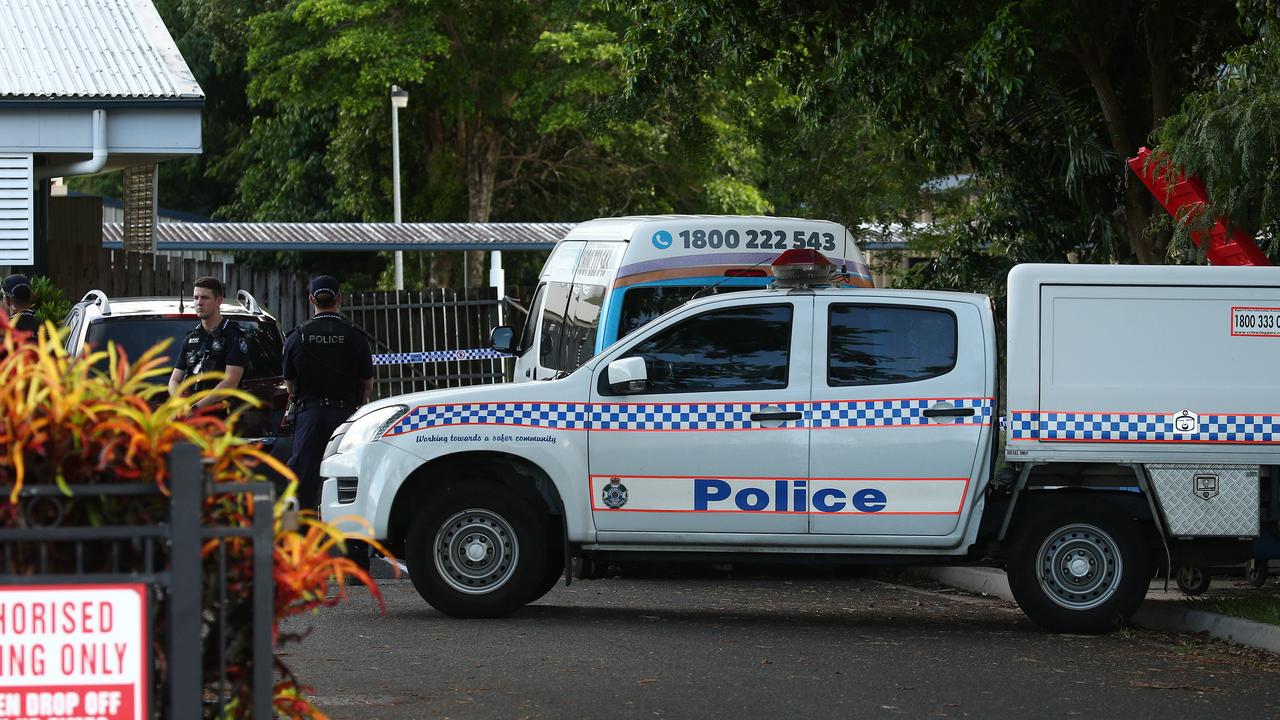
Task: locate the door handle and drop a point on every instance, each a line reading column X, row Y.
column 767, row 416
column 948, row 412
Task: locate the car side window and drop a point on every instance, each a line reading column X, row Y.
column 884, row 344
column 72, row 321
column 553, row 311
column 739, row 348
column 581, row 322
column 531, row 322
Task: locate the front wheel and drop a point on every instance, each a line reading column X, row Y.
column 477, row 552
column 1078, row 568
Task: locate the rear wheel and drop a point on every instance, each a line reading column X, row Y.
column 478, row 551
column 1255, row 573
column 1078, row 568
column 1193, row 580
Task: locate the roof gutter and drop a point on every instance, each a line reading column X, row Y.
column 86, row 167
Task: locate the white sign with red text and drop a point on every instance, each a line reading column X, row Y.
column 73, row 652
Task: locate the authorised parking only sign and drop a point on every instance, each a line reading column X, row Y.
column 73, row 652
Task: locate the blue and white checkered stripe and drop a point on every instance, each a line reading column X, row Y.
column 438, row 356
column 689, row 416
column 894, row 413
column 549, row 416
column 1141, row 427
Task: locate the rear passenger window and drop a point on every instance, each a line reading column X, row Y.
column 883, row 344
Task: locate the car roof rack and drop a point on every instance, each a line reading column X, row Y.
column 249, row 302
column 99, row 298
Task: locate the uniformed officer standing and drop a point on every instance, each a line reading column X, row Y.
column 17, row 299
column 215, row 344
column 329, row 372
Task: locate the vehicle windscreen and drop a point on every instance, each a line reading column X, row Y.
column 135, row 335
column 642, row 304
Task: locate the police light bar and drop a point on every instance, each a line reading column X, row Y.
column 802, row 267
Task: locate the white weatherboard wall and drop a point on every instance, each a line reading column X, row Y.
column 17, row 210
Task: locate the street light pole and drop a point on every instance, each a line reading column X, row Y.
column 399, row 99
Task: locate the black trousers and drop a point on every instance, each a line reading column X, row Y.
column 311, row 431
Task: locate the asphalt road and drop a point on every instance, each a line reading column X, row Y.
column 780, row 645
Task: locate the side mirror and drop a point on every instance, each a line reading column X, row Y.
column 628, row 375
column 502, row 339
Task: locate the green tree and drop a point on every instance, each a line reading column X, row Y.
column 1043, row 101
column 1228, row 134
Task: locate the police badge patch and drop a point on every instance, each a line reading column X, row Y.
column 614, row 494
column 244, row 346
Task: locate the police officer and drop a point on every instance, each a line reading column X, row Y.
column 329, row 372
column 215, row 344
column 17, row 299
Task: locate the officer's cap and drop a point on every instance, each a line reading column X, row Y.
column 324, row 287
column 18, row 287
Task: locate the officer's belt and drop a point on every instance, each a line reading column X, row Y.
column 326, row 402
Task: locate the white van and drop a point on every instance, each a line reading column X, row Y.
column 609, row 276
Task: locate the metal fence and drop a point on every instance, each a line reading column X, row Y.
column 426, row 339
column 165, row 556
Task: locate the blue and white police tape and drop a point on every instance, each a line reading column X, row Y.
column 438, row 356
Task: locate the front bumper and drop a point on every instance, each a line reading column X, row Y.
column 378, row 469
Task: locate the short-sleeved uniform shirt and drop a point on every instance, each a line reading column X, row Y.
column 204, row 351
column 25, row 320
column 327, row 358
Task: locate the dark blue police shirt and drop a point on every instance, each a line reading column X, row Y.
column 327, row 358
column 25, row 320
column 204, row 352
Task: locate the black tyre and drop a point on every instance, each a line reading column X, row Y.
column 555, row 563
column 1078, row 567
column 1193, row 580
column 478, row 551
column 1255, row 573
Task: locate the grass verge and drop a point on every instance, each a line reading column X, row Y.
column 1258, row 609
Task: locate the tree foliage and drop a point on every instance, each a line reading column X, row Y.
column 1043, row 101
column 1228, row 134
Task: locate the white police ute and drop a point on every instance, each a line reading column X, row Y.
column 826, row 425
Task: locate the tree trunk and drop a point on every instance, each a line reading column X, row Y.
column 481, row 145
column 1137, row 212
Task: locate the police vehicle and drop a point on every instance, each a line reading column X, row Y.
column 609, row 276
column 820, row 424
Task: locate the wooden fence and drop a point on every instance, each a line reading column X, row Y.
column 78, row 270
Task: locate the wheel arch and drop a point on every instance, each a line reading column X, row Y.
column 518, row 474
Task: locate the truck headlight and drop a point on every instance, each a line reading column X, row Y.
column 366, row 428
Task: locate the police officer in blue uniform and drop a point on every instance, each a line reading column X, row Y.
column 329, row 372
column 17, row 298
column 215, row 344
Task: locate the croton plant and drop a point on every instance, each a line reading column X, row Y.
column 101, row 417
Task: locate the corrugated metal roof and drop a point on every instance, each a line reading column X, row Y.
column 348, row 236
column 81, row 49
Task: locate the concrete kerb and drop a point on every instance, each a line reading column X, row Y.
column 1153, row 614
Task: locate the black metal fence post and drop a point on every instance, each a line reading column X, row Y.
column 186, row 483
column 264, row 586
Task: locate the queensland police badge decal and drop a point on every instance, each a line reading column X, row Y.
column 614, row 494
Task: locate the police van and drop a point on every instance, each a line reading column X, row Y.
column 608, row 277
column 823, row 424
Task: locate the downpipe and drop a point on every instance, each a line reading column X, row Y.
column 84, row 167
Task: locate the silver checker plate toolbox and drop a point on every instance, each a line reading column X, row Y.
column 1208, row 500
